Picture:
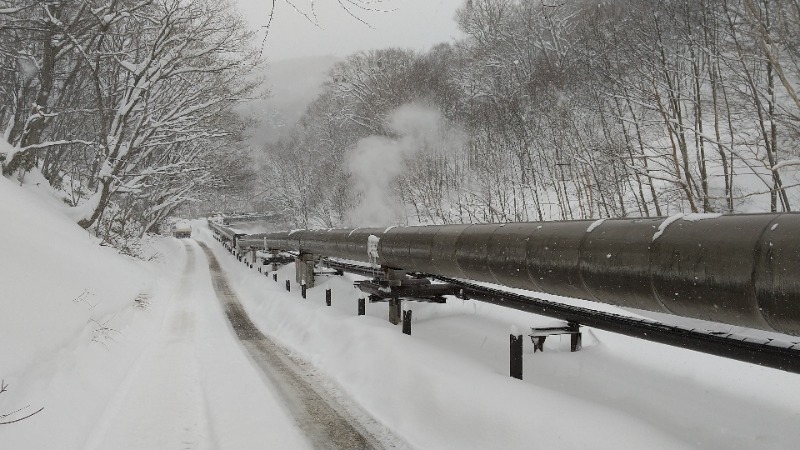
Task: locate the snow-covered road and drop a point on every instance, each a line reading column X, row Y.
column 326, row 422
column 193, row 388
column 196, row 387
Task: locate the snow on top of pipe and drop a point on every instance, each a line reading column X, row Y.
column 594, row 225
column 696, row 217
column 664, row 225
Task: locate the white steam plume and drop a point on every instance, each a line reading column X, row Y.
column 377, row 161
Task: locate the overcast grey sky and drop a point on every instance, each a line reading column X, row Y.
column 416, row 24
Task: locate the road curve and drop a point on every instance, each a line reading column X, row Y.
column 325, row 423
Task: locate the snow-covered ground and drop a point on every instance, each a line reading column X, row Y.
column 126, row 354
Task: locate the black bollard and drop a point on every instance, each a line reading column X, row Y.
column 362, row 307
column 328, row 297
column 515, row 367
column 407, row 322
column 288, row 286
column 303, row 290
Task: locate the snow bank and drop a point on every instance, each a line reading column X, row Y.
column 55, row 279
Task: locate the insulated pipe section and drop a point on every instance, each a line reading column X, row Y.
column 347, row 244
column 736, row 269
column 227, row 233
column 282, row 240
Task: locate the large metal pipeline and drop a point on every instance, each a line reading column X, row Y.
column 226, row 233
column 736, row 269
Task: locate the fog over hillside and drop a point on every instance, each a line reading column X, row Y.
column 293, row 84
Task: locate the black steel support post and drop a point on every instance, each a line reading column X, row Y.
column 576, row 341
column 515, row 368
column 303, row 290
column 362, row 306
column 395, row 310
column 328, row 297
column 407, row 322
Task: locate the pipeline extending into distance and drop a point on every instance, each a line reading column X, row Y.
column 741, row 269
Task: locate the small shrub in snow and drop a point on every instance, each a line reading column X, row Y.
column 17, row 415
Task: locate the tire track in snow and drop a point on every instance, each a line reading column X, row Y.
column 321, row 421
column 160, row 404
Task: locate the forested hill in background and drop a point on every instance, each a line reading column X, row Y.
column 556, row 111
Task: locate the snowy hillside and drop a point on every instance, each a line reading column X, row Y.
column 92, row 339
column 73, row 315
